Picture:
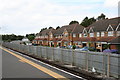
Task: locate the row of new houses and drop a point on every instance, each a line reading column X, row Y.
column 96, row 35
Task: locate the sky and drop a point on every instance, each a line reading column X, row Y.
column 23, row 17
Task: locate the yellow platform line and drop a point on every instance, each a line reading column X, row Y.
column 45, row 70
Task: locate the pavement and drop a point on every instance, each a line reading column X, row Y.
column 16, row 66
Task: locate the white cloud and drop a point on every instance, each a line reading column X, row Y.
column 28, row 16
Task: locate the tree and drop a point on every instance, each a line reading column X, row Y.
column 30, row 36
column 73, row 22
column 50, row 27
column 88, row 21
column 57, row 27
column 85, row 22
column 101, row 17
column 43, row 29
column 11, row 37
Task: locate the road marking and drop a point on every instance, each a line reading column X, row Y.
column 22, row 61
column 49, row 65
column 45, row 70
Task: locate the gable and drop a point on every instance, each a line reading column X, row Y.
column 91, row 30
column 84, row 30
column 118, row 27
column 110, row 28
column 65, row 31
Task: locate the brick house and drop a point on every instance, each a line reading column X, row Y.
column 115, row 43
column 103, row 31
column 96, row 35
column 63, row 36
column 42, row 38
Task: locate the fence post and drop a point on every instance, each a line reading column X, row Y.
column 53, row 54
column 86, row 61
column 37, row 50
column 104, row 62
column 61, row 56
column 41, row 52
column 73, row 57
column 46, row 53
column 108, row 65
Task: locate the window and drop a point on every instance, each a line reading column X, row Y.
column 85, row 34
column 51, row 36
column 79, row 43
column 74, row 35
column 118, row 33
column 110, row 33
column 80, row 35
column 46, row 36
column 59, row 36
column 91, row 34
column 102, row 34
column 98, row 34
column 56, row 37
column 66, row 34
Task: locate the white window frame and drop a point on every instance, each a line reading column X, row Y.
column 91, row 34
column 110, row 33
column 74, row 35
column 80, row 35
column 51, row 36
column 102, row 34
column 98, row 34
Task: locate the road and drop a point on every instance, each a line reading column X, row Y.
column 18, row 66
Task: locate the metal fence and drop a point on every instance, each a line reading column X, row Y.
column 104, row 63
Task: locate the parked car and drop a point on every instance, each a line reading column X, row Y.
column 69, row 47
column 83, row 49
column 63, row 47
column 92, row 49
column 77, row 47
column 110, row 51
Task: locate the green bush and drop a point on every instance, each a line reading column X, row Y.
column 74, row 46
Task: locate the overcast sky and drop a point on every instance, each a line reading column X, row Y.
column 29, row 16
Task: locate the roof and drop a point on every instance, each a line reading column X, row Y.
column 73, row 28
column 45, row 32
column 61, row 30
column 78, row 29
column 115, row 41
column 102, row 25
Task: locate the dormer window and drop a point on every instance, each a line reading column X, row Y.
column 110, row 33
column 91, row 34
column 102, row 34
column 74, row 35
